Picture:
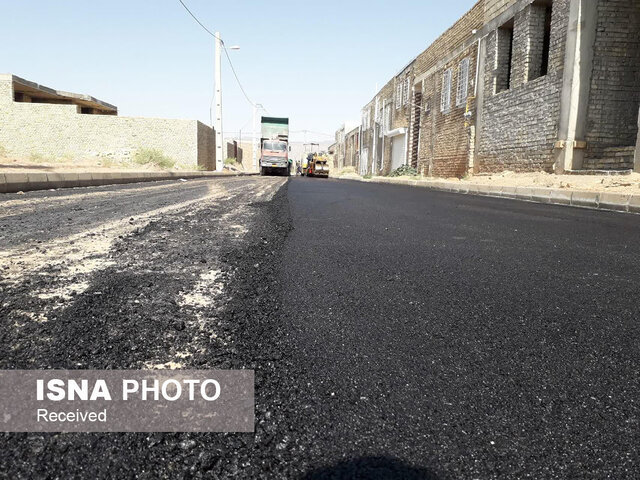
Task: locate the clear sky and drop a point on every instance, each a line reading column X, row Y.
column 315, row 62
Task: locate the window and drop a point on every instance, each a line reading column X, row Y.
column 387, row 118
column 405, row 94
column 546, row 41
column 445, row 98
column 398, row 94
column 463, row 83
column 504, row 53
column 275, row 146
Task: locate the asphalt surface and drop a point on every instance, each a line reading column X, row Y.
column 469, row 336
column 395, row 332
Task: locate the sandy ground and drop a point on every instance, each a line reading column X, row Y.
column 83, row 165
column 66, row 165
column 629, row 184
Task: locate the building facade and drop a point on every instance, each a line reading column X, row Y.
column 521, row 85
column 37, row 120
column 344, row 152
column 352, row 147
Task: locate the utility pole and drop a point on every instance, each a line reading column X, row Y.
column 255, row 135
column 218, row 100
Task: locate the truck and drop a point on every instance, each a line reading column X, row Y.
column 274, row 146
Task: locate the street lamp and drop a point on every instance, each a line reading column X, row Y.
column 218, row 100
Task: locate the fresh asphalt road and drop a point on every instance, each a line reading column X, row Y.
column 467, row 336
column 395, row 332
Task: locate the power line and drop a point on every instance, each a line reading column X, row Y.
column 311, row 131
column 199, row 22
column 225, row 52
column 236, row 75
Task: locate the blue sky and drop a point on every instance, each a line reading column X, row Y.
column 315, row 62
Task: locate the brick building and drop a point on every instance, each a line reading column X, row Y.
column 344, row 141
column 37, row 120
column 522, row 85
column 352, row 147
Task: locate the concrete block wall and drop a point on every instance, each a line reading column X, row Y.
column 56, row 131
column 206, row 147
column 520, row 125
column 614, row 99
column 6, row 91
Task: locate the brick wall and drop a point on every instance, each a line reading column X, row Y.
column 493, row 8
column 612, row 115
column 352, row 143
column 502, row 61
column 444, row 137
column 400, row 118
column 455, row 36
column 234, row 150
column 59, row 130
column 206, row 147
column 444, row 148
column 520, row 125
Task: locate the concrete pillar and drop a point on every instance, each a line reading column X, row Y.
column 479, row 93
column 576, row 86
column 636, row 160
column 435, row 111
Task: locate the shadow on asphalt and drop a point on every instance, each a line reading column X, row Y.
column 383, row 468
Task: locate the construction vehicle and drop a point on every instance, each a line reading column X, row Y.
column 274, row 146
column 317, row 165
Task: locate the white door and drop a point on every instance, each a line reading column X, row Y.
column 398, row 151
column 364, row 161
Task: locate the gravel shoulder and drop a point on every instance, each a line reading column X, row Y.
column 191, row 288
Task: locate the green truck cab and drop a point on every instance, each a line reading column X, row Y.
column 274, row 146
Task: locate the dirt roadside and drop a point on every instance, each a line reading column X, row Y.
column 63, row 165
column 628, row 183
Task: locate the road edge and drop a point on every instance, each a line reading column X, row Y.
column 12, row 182
column 610, row 201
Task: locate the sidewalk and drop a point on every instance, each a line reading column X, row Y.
column 13, row 182
column 606, row 192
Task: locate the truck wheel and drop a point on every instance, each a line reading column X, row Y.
column 262, row 171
